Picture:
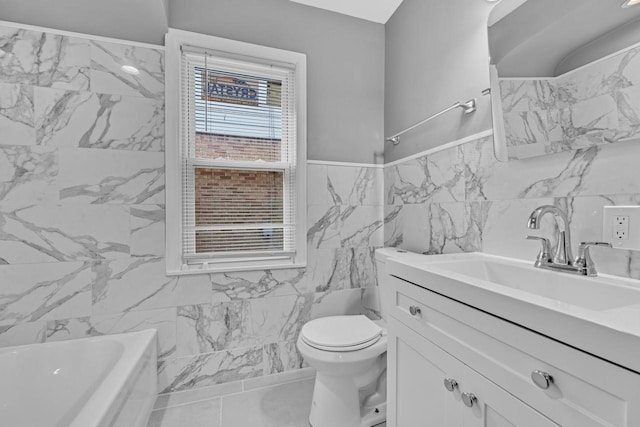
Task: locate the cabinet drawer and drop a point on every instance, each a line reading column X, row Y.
column 586, row 391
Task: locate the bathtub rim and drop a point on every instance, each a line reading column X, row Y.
column 99, row 405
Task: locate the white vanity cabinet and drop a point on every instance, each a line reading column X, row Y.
column 433, row 338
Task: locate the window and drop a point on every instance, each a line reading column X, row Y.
column 235, row 155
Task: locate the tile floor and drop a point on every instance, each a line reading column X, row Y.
column 257, row 403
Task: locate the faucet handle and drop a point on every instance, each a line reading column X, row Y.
column 584, row 260
column 544, row 254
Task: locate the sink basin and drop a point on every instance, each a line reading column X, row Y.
column 600, row 315
column 593, row 293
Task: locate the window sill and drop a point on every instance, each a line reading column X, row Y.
column 232, row 269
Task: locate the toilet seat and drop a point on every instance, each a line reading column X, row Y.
column 341, row 333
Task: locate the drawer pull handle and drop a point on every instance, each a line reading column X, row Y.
column 542, row 379
column 450, row 384
column 469, row 399
column 414, row 310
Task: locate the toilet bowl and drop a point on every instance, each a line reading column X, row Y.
column 349, row 354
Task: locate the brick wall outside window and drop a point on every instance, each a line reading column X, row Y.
column 233, row 196
column 211, row 146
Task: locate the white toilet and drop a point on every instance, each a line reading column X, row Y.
column 349, row 354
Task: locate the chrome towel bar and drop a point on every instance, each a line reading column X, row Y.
column 468, row 107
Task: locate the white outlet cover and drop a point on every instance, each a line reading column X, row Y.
column 609, row 226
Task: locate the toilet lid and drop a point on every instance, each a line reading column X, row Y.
column 338, row 333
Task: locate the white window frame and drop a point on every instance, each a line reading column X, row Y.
column 174, row 41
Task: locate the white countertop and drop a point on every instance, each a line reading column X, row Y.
column 612, row 334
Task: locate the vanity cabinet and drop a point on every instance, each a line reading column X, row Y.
column 433, row 338
column 422, row 399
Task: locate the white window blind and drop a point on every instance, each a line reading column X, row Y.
column 238, row 161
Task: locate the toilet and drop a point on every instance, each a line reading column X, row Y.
column 349, row 354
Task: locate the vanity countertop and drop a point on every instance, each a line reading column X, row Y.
column 599, row 315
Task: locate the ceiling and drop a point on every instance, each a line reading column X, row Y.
column 139, row 20
column 147, row 20
column 372, row 10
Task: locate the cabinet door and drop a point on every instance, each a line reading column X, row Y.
column 418, row 396
column 495, row 407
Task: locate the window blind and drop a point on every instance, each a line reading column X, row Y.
column 239, row 158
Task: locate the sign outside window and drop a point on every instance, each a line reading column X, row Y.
column 235, row 90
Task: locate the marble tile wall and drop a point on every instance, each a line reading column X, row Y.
column 595, row 104
column 462, row 199
column 82, row 223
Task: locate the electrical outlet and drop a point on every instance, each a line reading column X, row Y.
column 621, row 226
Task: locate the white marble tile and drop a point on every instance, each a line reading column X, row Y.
column 279, row 318
column 147, row 230
column 256, row 284
column 527, row 94
column 42, row 292
column 443, row 227
column 361, row 226
column 44, row 59
column 162, row 320
column 526, row 128
column 348, row 301
column 354, row 186
column 16, row 115
column 416, row 229
column 46, row 233
column 89, row 120
column 203, row 413
column 205, row 328
column 590, row 122
column 506, row 228
column 600, row 78
column 323, row 231
column 628, row 106
column 63, row 117
column 371, row 303
column 438, row 177
column 281, row 357
column 27, row 176
column 136, row 284
column 393, row 225
column 111, row 176
column 335, row 269
column 345, row 226
column 203, row 370
column 584, row 172
column 107, row 76
column 22, row 334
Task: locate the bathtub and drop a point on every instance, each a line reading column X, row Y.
column 91, row 382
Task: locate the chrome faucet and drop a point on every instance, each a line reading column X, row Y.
column 563, row 254
column 563, row 259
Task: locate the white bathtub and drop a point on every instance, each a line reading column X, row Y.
column 92, row 382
